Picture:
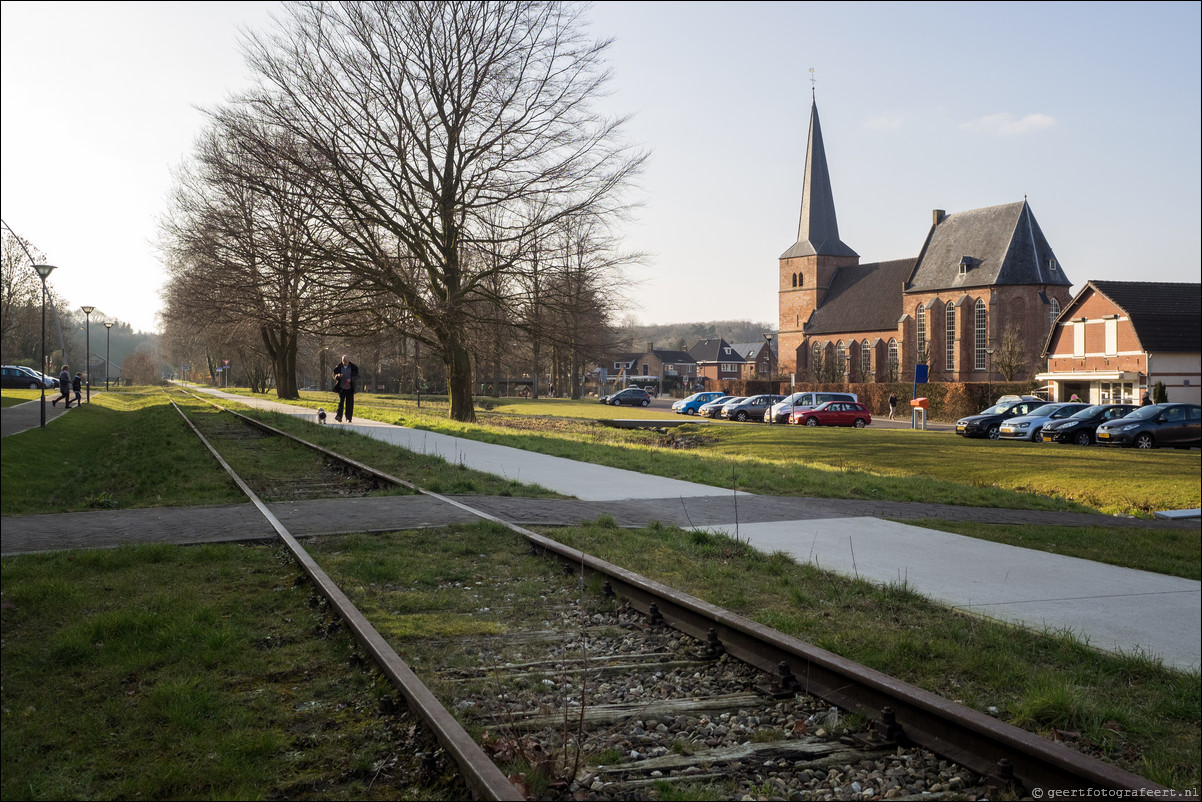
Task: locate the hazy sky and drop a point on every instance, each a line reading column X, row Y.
column 1090, row 110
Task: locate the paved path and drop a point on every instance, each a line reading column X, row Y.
column 1111, row 608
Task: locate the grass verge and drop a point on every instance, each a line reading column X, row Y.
column 167, row 672
column 125, row 449
column 901, row 465
column 1175, row 552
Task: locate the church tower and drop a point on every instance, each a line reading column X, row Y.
column 806, row 269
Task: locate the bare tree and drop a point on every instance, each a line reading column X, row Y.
column 242, row 247
column 433, row 126
column 20, row 299
column 1013, row 356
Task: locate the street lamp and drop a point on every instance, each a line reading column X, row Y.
column 87, row 312
column 43, row 272
column 989, row 375
column 108, row 330
column 768, row 339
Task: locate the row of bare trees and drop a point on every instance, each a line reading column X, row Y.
column 434, row 172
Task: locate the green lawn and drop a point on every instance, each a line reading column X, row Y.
column 899, row 464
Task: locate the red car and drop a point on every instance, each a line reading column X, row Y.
column 834, row 413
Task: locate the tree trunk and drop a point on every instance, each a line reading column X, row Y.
column 459, row 380
column 281, row 347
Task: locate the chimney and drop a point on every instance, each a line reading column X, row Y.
column 937, row 216
column 650, row 347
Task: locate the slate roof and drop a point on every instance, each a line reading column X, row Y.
column 862, row 298
column 672, row 357
column 711, row 350
column 1167, row 316
column 818, row 230
column 1004, row 245
column 749, row 351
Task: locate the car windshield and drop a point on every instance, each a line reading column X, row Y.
column 996, row 409
column 1089, row 412
column 1143, row 413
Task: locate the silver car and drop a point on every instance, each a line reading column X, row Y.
column 1030, row 426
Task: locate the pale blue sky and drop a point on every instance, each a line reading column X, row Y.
column 1090, row 110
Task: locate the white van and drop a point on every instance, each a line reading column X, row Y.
column 800, row 402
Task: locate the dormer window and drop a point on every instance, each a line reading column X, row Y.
column 965, row 265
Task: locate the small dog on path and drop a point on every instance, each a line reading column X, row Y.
column 321, row 415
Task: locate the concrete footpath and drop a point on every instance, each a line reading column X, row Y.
column 1111, row 608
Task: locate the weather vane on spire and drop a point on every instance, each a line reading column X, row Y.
column 812, row 83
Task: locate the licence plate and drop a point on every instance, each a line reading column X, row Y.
column 960, row 428
column 1103, row 435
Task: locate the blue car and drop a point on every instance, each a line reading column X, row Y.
column 690, row 405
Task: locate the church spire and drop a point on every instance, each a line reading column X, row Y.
column 818, row 231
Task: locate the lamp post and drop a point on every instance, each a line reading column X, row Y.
column 108, row 330
column 989, row 375
column 768, row 339
column 43, row 272
column 87, row 312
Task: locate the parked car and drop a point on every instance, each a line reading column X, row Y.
column 1031, row 427
column 737, row 399
column 690, row 405
column 1177, row 425
column 631, row 397
column 18, row 376
column 782, row 410
column 48, row 381
column 1079, row 427
column 988, row 423
column 752, row 407
column 834, row 413
column 712, row 409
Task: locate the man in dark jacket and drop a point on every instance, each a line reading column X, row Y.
column 344, row 381
column 64, row 387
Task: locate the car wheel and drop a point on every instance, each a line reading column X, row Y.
column 691, row 411
column 1037, row 436
column 33, row 386
column 741, row 417
column 646, row 402
column 1144, row 441
column 860, row 424
column 811, row 421
column 1083, row 439
column 994, row 432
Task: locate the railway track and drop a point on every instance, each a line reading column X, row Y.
column 712, row 699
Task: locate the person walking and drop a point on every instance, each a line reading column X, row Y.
column 77, row 388
column 1147, row 400
column 344, row 380
column 892, row 405
column 64, row 387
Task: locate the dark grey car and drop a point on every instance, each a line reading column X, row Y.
column 750, row 408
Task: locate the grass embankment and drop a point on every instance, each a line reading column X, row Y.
column 130, row 449
column 168, row 672
column 900, row 465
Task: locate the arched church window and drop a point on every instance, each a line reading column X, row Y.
column 794, row 279
column 1053, row 312
column 949, row 346
column 920, row 340
column 980, row 334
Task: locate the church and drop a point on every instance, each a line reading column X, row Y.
column 984, row 280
